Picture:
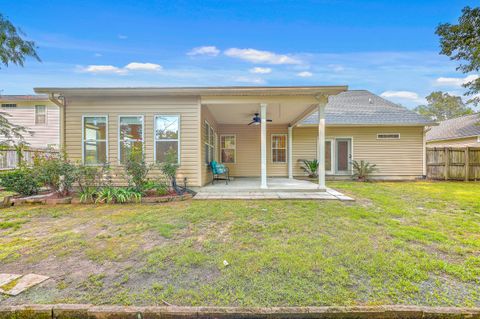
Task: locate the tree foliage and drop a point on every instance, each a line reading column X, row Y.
column 461, row 42
column 14, row 49
column 443, row 106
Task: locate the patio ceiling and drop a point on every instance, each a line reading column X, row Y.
column 281, row 109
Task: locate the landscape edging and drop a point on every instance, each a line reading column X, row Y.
column 87, row 311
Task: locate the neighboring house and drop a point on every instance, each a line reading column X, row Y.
column 458, row 132
column 211, row 123
column 37, row 114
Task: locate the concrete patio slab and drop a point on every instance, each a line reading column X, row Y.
column 23, row 283
column 278, row 188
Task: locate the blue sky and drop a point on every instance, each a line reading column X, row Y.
column 387, row 47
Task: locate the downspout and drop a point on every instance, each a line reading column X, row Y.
column 61, row 102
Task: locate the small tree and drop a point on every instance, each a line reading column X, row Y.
column 310, row 167
column 461, row 42
column 169, row 169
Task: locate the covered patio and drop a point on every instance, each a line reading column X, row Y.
column 278, row 188
column 254, row 132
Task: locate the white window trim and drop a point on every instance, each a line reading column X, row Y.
column 332, row 156
column 45, row 114
column 83, row 138
column 388, row 138
column 169, row 140
column 234, row 149
column 118, row 133
column 207, row 140
column 271, row 148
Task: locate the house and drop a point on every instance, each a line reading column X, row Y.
column 255, row 131
column 37, row 114
column 457, row 132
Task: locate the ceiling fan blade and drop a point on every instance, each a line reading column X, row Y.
column 251, row 123
column 268, row 120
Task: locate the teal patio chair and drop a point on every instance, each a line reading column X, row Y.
column 219, row 170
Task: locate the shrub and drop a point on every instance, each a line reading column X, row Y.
column 90, row 179
column 362, row 170
column 57, row 173
column 110, row 194
column 169, row 169
column 136, row 169
column 310, row 167
column 160, row 187
column 23, row 181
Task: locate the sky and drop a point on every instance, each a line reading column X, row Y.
column 387, row 47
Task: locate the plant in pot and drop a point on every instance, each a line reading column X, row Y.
column 362, row 170
column 311, row 168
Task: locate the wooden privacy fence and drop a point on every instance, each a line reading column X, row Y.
column 11, row 158
column 453, row 163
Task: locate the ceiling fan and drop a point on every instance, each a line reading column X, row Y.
column 256, row 120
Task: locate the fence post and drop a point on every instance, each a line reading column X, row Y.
column 467, row 163
column 447, row 160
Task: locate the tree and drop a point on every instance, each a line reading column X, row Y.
column 443, row 106
column 461, row 42
column 13, row 49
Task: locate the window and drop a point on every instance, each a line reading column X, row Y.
column 388, row 136
column 279, row 148
column 95, row 134
column 167, row 137
column 9, row 105
column 40, row 114
column 228, row 145
column 130, row 132
column 209, row 137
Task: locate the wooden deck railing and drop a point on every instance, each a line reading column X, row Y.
column 453, row 163
column 11, row 158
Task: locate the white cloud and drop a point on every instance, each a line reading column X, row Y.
column 305, row 74
column 336, row 67
column 445, row 81
column 98, row 54
column 244, row 79
column 122, row 36
column 260, row 70
column 205, row 50
column 402, row 95
column 103, row 69
column 257, row 56
column 111, row 69
column 136, row 66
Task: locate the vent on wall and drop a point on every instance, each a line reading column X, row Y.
column 8, row 105
column 388, row 136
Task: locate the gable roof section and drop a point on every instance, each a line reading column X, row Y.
column 459, row 127
column 361, row 107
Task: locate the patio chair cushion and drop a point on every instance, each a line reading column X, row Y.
column 218, row 168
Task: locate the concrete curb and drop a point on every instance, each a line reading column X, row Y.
column 81, row 311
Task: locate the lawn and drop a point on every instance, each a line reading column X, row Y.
column 399, row 243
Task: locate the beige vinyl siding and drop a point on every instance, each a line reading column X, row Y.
column 187, row 107
column 401, row 157
column 460, row 142
column 24, row 115
column 205, row 170
column 248, row 150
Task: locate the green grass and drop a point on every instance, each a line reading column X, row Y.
column 399, row 243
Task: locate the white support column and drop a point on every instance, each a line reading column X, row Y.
column 290, row 152
column 263, row 143
column 321, row 147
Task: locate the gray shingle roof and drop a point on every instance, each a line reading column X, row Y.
column 36, row 97
column 463, row 126
column 361, row 107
